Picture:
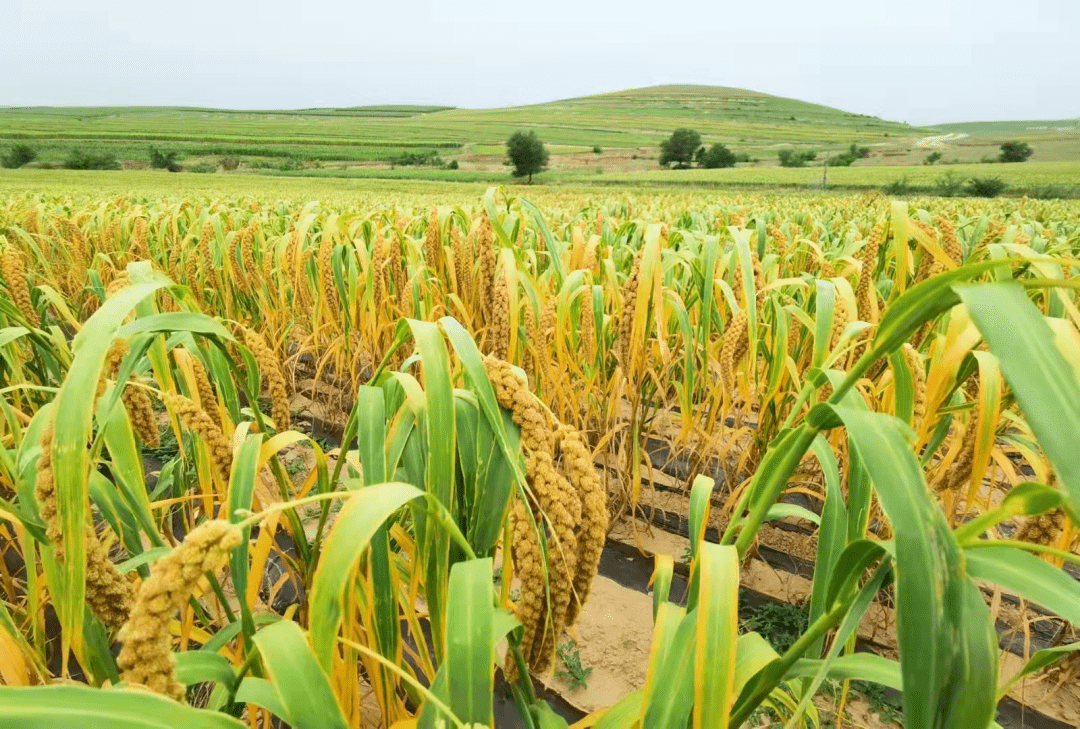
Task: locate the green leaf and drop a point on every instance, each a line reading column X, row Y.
column 716, row 636
column 1028, row 576
column 1038, row 373
column 470, row 647
column 300, row 683
column 82, row 707
column 259, row 691
column 934, row 632
column 361, row 516
column 197, row 666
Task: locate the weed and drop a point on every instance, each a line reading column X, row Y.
column 575, row 675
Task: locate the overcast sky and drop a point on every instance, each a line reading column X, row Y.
column 920, row 61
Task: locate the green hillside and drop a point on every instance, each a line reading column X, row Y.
column 623, row 120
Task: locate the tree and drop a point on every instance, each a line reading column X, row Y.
column 795, row 158
column 933, row 157
column 527, row 154
column 160, row 160
column 1015, row 152
column 717, row 156
column 18, row 156
column 680, row 148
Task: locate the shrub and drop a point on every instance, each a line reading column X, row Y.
column 291, row 163
column 18, row 156
column 932, row 158
column 425, row 158
column 897, row 187
column 949, row 185
column 80, row 159
column 986, row 186
column 596, row 149
column 717, row 156
column 203, row 167
column 229, row 163
column 858, row 152
column 680, row 148
column 1015, row 152
column 795, row 158
column 452, row 164
column 160, row 160
column 526, row 153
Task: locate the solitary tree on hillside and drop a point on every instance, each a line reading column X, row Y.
column 527, row 154
column 680, row 148
column 1015, row 152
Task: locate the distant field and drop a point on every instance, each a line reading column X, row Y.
column 1019, row 176
column 1045, row 179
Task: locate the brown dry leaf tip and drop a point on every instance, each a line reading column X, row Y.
column 273, row 379
column 200, row 424
column 736, row 342
column 433, row 241
column 918, row 383
column 146, row 658
column 1044, row 529
column 108, row 593
column 500, row 318
column 865, row 294
column 13, row 269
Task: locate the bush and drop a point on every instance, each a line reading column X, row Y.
column 795, row 158
column 897, row 187
column 949, row 185
column 680, row 148
column 717, row 156
column 164, row 160
column 229, row 163
column 451, row 165
column 80, row 159
column 203, row 167
column 18, row 156
column 596, row 149
column 932, row 158
column 1015, row 152
column 1052, row 192
column 986, row 186
column 291, row 163
column 426, row 158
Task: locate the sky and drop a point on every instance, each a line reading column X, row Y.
column 918, row 61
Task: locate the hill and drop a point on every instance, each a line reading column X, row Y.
column 632, row 119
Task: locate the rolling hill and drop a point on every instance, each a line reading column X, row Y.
column 629, row 119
